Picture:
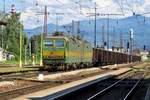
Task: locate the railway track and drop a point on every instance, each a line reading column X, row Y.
column 124, row 88
column 93, row 97
column 128, row 95
column 26, row 86
column 34, row 85
column 20, row 75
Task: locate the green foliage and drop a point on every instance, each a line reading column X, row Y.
column 10, row 35
column 13, row 29
column 37, row 41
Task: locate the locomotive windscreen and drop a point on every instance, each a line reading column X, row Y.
column 59, row 43
column 48, row 43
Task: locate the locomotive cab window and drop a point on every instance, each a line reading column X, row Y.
column 48, row 43
column 59, row 43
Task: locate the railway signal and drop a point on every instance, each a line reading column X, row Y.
column 128, row 45
column 144, row 47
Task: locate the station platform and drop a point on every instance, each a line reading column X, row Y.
column 54, row 92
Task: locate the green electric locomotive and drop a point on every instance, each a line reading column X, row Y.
column 63, row 52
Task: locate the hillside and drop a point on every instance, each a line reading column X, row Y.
column 139, row 24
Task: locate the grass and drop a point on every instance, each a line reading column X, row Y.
column 17, row 62
column 10, row 62
column 16, row 69
column 13, row 67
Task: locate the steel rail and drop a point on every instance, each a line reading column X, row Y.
column 104, row 90
column 132, row 89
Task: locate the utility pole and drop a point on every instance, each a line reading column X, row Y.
column 108, row 32
column 45, row 21
column 72, row 26
column 113, row 40
column 41, row 56
column 103, row 37
column 121, row 41
column 4, row 6
column 78, row 28
column 43, row 33
column 128, row 46
column 95, row 26
column 45, row 13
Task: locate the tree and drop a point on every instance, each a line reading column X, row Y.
column 36, row 39
column 12, row 36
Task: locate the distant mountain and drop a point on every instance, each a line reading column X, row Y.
column 140, row 25
column 38, row 30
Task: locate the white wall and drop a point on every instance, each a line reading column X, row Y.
column 2, row 56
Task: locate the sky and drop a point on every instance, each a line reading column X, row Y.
column 68, row 10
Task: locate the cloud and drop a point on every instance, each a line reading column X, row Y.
column 72, row 10
column 137, row 6
column 104, row 3
column 53, row 7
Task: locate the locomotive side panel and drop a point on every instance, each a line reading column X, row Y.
column 73, row 52
column 87, row 53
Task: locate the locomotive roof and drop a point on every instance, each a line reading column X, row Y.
column 69, row 37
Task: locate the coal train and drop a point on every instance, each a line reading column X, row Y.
column 66, row 52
